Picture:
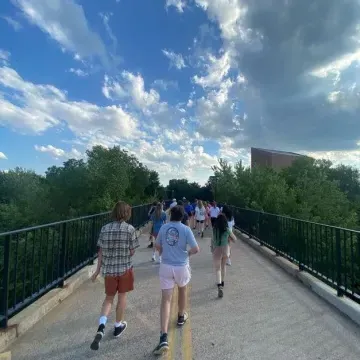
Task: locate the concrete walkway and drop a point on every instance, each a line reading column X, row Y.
column 264, row 314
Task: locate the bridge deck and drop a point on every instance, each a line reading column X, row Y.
column 264, row 314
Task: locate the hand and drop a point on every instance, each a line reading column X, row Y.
column 132, row 252
column 94, row 275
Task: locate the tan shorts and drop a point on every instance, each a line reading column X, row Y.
column 119, row 284
column 220, row 252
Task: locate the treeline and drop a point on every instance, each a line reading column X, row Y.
column 310, row 189
column 76, row 188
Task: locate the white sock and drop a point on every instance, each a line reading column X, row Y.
column 117, row 324
column 102, row 320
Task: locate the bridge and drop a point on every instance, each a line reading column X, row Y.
column 50, row 308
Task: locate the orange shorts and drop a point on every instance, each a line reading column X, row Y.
column 119, row 284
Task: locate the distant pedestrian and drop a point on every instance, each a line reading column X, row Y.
column 185, row 219
column 175, row 243
column 214, row 212
column 158, row 219
column 151, row 211
column 117, row 243
column 221, row 249
column 200, row 213
column 231, row 223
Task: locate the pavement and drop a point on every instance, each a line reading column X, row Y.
column 264, row 315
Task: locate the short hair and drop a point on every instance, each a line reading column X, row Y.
column 176, row 213
column 180, row 203
column 121, row 211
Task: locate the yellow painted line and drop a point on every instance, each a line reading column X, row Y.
column 5, row 356
column 172, row 326
column 187, row 334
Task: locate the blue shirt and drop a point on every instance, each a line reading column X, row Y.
column 189, row 209
column 174, row 238
column 158, row 223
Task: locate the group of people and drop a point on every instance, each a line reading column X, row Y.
column 172, row 237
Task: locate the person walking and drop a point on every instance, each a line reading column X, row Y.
column 175, row 243
column 200, row 213
column 220, row 250
column 151, row 211
column 185, row 219
column 214, row 212
column 158, row 219
column 117, row 243
column 231, row 223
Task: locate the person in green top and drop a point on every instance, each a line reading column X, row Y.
column 220, row 248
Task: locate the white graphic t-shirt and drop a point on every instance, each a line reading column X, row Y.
column 200, row 213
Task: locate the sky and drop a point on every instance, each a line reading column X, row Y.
column 178, row 83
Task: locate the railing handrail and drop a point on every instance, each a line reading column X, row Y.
column 14, row 232
column 296, row 219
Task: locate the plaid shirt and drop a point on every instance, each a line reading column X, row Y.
column 116, row 240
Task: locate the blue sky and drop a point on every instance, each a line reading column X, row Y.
column 179, row 83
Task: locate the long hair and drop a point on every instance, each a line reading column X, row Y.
column 200, row 204
column 220, row 226
column 158, row 211
column 227, row 212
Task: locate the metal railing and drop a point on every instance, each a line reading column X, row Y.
column 37, row 259
column 332, row 254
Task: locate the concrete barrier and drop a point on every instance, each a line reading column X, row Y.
column 345, row 305
column 28, row 317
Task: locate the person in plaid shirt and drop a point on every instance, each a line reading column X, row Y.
column 117, row 243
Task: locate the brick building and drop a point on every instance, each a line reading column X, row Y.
column 272, row 158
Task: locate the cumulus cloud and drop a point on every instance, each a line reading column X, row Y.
column 299, row 63
column 2, row 156
column 4, row 57
column 179, row 5
column 176, row 60
column 59, row 153
column 29, row 107
column 65, row 22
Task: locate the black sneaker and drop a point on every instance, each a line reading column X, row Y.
column 118, row 330
column 99, row 335
column 163, row 346
column 222, row 284
column 182, row 319
column 220, row 291
column 202, row 234
column 151, row 245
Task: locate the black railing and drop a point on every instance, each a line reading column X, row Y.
column 330, row 253
column 38, row 259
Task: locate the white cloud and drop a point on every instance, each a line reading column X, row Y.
column 176, row 60
column 65, row 22
column 3, row 156
column 178, row 4
column 165, row 84
column 217, row 69
column 59, row 153
column 346, row 157
column 37, row 107
column 78, row 72
column 12, row 22
column 4, row 57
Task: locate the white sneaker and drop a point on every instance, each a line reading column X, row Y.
column 153, row 258
column 159, row 260
column 228, row 262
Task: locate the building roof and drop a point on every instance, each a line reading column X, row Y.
column 278, row 152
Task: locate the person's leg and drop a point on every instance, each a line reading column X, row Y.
column 217, row 267
column 223, row 269
column 198, row 226
column 110, row 291
column 182, row 279
column 228, row 260
column 202, row 228
column 167, row 285
column 153, row 258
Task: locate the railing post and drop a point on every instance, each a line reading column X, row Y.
column 5, row 284
column 63, row 253
column 93, row 241
column 301, row 247
column 338, row 263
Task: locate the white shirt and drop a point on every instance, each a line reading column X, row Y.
column 200, row 213
column 214, row 212
column 231, row 224
column 173, row 204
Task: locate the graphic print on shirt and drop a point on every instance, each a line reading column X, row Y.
column 172, row 236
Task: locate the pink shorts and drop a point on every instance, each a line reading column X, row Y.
column 174, row 275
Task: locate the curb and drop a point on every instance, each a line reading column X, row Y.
column 345, row 305
column 28, row 317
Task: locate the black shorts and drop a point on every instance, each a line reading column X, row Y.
column 200, row 221
column 213, row 221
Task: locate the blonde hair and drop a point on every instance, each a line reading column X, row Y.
column 121, row 211
column 200, row 204
column 158, row 211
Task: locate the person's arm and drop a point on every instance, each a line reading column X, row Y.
column 134, row 241
column 191, row 241
column 99, row 262
column 232, row 237
column 158, row 242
